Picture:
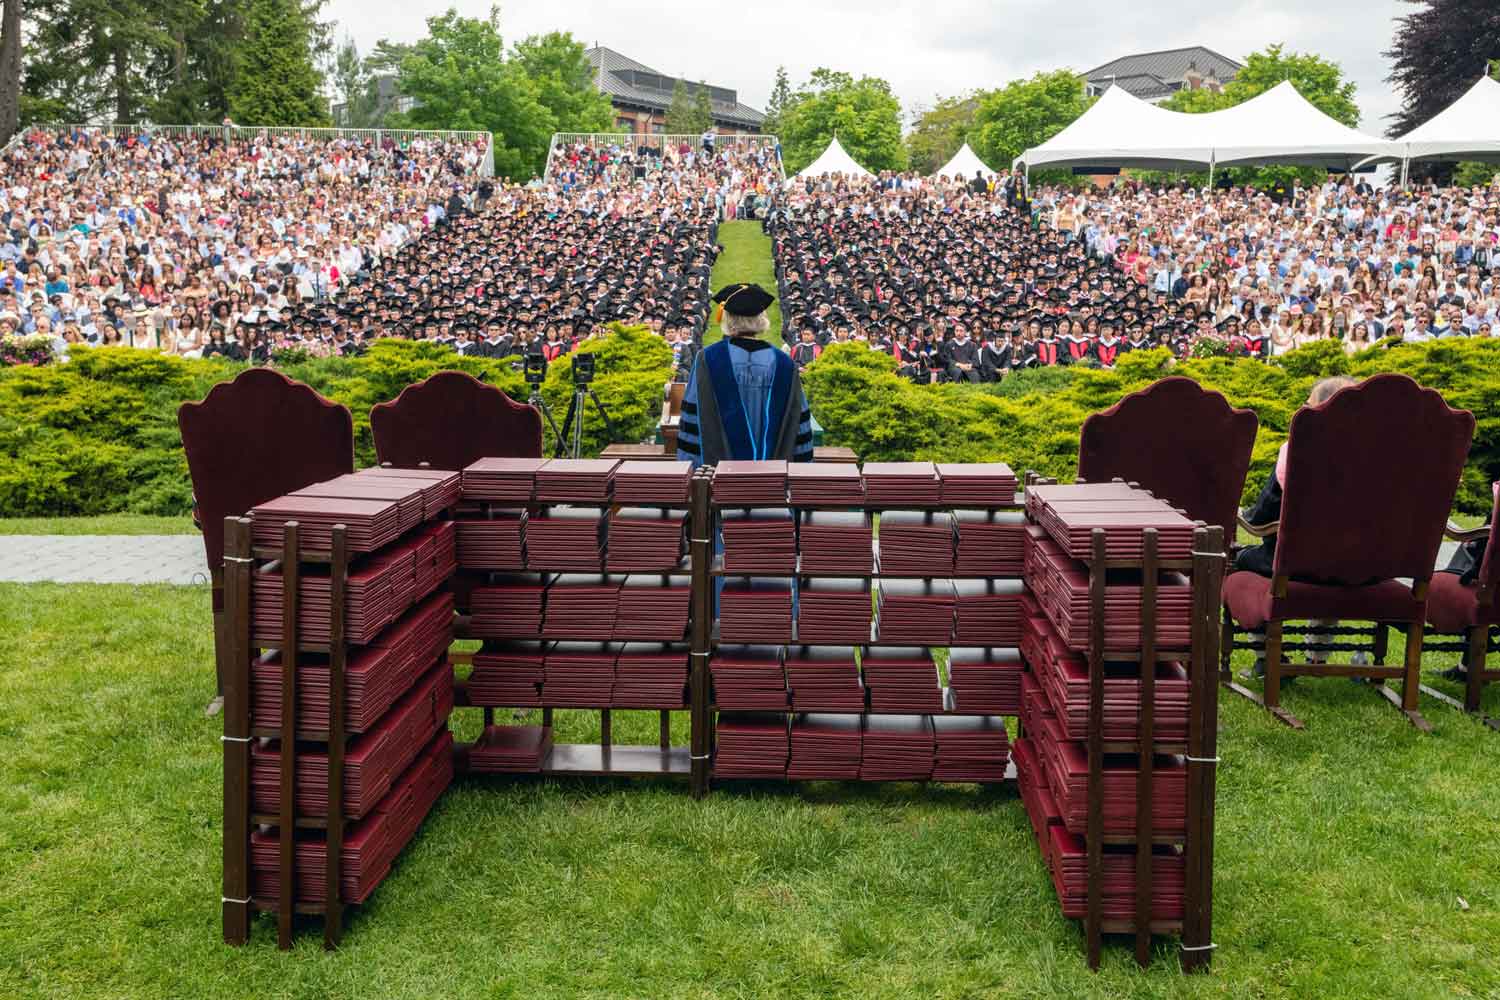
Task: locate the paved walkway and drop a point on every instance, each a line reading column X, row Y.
column 143, row 559
column 103, row 559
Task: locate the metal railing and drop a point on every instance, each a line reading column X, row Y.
column 379, row 136
column 669, row 143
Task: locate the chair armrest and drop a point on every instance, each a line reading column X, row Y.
column 1456, row 534
column 1257, row 530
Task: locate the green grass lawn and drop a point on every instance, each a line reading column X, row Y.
column 746, row 257
column 1343, row 853
column 102, row 524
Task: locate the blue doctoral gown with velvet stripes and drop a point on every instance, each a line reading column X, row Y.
column 744, row 401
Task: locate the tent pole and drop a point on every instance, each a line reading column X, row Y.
column 1210, row 170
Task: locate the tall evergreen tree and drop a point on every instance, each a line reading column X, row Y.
column 199, row 68
column 277, row 80
column 680, row 115
column 10, row 68
column 703, row 108
column 776, row 105
column 88, row 60
column 350, row 77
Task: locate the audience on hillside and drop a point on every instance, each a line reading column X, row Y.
column 740, row 177
column 241, row 243
column 197, row 247
column 159, row 240
column 963, row 279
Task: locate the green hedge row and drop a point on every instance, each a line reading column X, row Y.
column 99, row 434
column 1032, row 420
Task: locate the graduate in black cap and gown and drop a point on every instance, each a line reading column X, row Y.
column 744, row 400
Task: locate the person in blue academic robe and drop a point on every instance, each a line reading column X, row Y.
column 744, row 399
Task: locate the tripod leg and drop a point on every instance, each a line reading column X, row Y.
column 562, row 439
column 541, row 404
column 577, row 408
column 609, row 424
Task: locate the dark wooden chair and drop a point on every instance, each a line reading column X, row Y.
column 1370, row 478
column 449, row 421
column 1466, row 617
column 1182, row 442
column 250, row 440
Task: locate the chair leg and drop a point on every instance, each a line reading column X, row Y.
column 1478, row 648
column 1382, row 636
column 1411, row 680
column 1273, row 664
column 1274, row 658
column 221, row 647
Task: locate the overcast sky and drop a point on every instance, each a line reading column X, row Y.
column 934, row 47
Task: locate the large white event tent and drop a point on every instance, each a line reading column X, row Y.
column 1468, row 129
column 1279, row 126
column 965, row 163
column 833, row 161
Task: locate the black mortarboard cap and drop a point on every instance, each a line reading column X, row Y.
column 744, row 300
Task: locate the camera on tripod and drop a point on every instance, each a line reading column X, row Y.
column 534, row 368
column 583, row 368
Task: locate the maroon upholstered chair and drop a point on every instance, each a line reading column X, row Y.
column 1370, row 478
column 451, row 420
column 1182, row 442
column 253, row 439
column 1471, row 613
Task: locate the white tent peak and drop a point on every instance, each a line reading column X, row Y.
column 834, row 160
column 1467, row 129
column 965, row 163
column 1277, row 126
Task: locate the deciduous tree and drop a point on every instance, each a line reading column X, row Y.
column 460, row 79
column 564, row 80
column 863, row 113
column 940, row 131
column 277, row 80
column 1026, row 113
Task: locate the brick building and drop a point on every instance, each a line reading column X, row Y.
column 641, row 96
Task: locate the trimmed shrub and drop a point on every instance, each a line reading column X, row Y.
column 1033, row 420
column 99, row 434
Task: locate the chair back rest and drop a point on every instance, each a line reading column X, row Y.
column 1370, row 479
column 672, row 396
column 256, row 438
column 1184, row 443
column 452, row 419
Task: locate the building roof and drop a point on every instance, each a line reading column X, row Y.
column 1143, row 85
column 624, row 79
column 1166, row 67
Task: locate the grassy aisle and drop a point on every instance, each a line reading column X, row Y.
column 746, row 257
column 102, row 524
column 1342, row 854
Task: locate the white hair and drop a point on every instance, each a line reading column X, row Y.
column 737, row 326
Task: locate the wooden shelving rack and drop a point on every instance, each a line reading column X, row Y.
column 606, row 758
column 1206, row 570
column 716, row 564
column 238, row 902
